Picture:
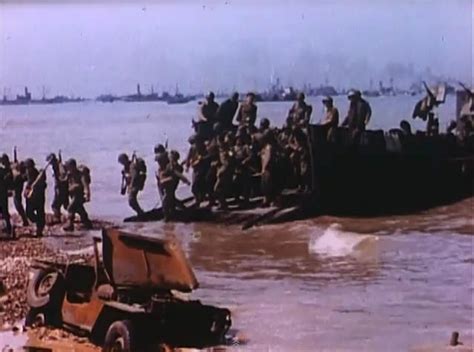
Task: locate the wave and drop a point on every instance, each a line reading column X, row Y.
column 336, row 242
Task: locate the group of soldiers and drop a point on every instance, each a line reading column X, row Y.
column 23, row 180
column 233, row 161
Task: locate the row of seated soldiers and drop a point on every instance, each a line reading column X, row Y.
column 23, row 180
column 227, row 158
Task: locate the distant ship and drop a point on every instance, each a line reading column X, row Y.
column 26, row 99
column 139, row 97
column 178, row 98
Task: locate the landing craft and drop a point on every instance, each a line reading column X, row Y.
column 384, row 173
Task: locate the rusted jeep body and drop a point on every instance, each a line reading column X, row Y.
column 127, row 300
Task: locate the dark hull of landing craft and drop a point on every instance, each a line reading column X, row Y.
column 387, row 173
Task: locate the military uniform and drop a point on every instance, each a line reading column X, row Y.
column 207, row 117
column 300, row 113
column 78, row 179
column 358, row 116
column 226, row 112
column 5, row 181
column 247, row 114
column 224, row 175
column 19, row 179
column 35, row 196
column 61, row 196
column 200, row 163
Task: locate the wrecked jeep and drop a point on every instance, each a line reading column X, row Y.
column 129, row 299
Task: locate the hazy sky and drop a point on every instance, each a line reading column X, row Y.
column 108, row 47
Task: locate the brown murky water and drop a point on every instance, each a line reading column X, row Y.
column 326, row 284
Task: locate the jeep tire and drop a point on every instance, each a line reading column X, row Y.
column 120, row 337
column 44, row 296
column 43, row 287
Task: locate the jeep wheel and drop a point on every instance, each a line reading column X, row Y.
column 119, row 337
column 35, row 318
column 43, row 286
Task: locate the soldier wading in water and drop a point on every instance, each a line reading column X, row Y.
column 78, row 180
column 133, row 179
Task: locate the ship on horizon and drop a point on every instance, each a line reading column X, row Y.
column 27, row 99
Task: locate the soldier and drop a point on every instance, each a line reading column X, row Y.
column 169, row 174
column 247, row 114
column 424, row 110
column 19, row 179
column 358, row 115
column 5, row 183
column 243, row 167
column 226, row 112
column 178, row 175
column 35, row 195
column 133, row 180
column 79, row 180
column 61, row 197
column 300, row 112
column 200, row 162
column 268, row 179
column 207, row 115
column 222, row 187
column 331, row 118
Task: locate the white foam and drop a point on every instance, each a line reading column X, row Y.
column 335, row 242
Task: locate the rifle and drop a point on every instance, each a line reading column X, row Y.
column 29, row 191
column 123, row 186
column 430, row 93
column 468, row 91
column 60, row 157
column 15, row 155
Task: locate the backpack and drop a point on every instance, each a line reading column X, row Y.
column 141, row 168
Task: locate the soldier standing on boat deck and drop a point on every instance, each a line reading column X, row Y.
column 35, row 195
column 300, row 112
column 207, row 115
column 178, row 170
column 247, row 114
column 200, row 162
column 331, row 118
column 268, row 179
column 133, row 180
column 5, row 182
column 358, row 115
column 226, row 112
column 61, row 197
column 79, row 180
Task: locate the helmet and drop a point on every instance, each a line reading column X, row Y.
column 300, row 96
column 29, row 163
column 71, row 163
column 327, row 99
column 174, row 155
column 122, row 158
column 159, row 148
column 264, row 123
column 210, row 95
column 5, row 159
column 51, row 157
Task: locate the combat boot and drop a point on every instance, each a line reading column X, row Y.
column 70, row 224
column 87, row 225
column 56, row 216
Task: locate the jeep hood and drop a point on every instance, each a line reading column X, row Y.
column 132, row 260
